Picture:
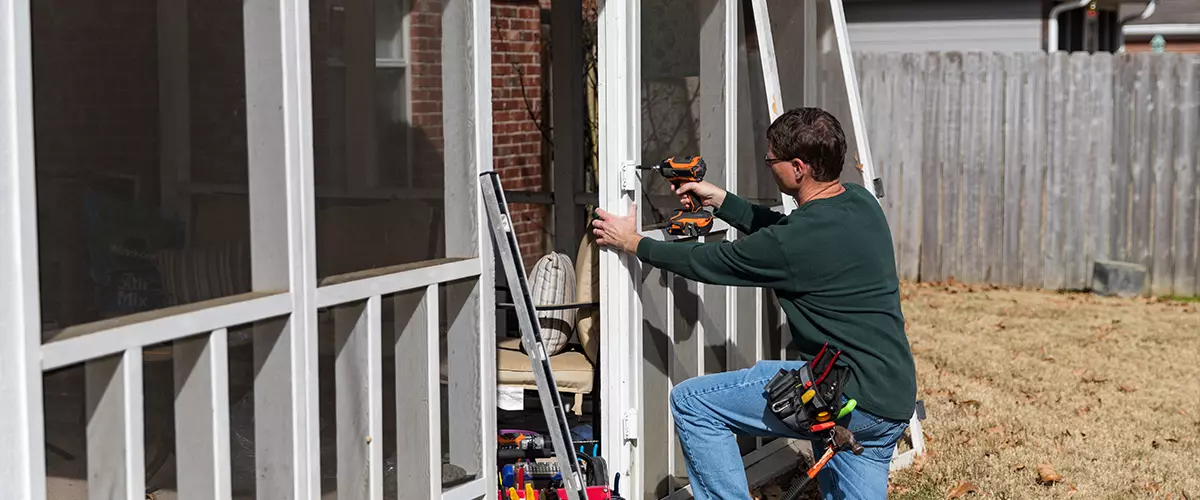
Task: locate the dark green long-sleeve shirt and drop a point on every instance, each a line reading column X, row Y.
column 830, row 263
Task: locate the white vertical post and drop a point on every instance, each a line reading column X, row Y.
column 202, row 416
column 359, row 381
column 467, row 121
column 619, row 33
column 760, row 352
column 115, row 445
column 675, row 454
column 418, row 396
column 23, row 462
column 567, row 29
column 711, row 329
column 732, row 20
column 279, row 118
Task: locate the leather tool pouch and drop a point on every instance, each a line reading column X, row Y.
column 809, row 396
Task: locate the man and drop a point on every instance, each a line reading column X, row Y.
column 831, row 265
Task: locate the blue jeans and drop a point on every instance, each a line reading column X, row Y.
column 709, row 411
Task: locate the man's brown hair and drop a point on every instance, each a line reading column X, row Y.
column 813, row 136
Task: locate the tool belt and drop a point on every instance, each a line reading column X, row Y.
column 809, row 399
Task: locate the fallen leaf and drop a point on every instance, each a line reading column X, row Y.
column 1046, row 474
column 1080, row 411
column 1152, row 486
column 1017, row 467
column 1000, row 325
column 962, row 489
column 1126, row 388
column 1071, row 490
column 996, row 430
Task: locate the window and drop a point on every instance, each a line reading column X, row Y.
column 392, row 96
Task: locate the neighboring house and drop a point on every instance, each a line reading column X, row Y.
column 1178, row 21
column 980, row 25
column 944, row 25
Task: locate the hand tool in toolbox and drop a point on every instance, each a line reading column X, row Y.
column 509, row 253
column 809, row 401
column 695, row 220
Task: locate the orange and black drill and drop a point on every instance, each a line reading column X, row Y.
column 678, row 171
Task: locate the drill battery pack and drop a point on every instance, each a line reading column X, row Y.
column 809, row 399
column 690, row 223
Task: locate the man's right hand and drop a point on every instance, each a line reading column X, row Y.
column 710, row 195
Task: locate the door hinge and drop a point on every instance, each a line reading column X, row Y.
column 629, row 425
column 629, row 176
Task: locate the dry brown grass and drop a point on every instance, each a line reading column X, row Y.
column 1105, row 391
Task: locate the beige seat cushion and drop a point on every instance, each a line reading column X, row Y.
column 587, row 289
column 572, row 371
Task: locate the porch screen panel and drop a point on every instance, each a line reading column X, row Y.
column 684, row 113
column 142, row 182
column 827, row 77
column 379, row 148
column 657, row 356
column 682, row 95
column 754, row 180
column 141, row 147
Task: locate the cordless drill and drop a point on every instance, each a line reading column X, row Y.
column 678, row 171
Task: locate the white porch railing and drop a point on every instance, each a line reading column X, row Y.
column 283, row 309
column 112, row 352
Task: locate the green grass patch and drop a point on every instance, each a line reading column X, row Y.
column 1178, row 298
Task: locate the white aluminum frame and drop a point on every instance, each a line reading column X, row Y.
column 283, row 306
column 23, row 463
column 619, row 47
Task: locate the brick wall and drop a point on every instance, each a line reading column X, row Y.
column 516, row 102
column 517, row 88
column 1184, row 46
column 425, row 33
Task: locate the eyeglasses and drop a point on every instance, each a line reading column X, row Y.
column 772, row 161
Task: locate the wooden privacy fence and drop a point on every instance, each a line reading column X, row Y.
column 1024, row 169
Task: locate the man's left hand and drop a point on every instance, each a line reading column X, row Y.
column 615, row 231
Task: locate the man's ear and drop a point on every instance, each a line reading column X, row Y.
column 800, row 168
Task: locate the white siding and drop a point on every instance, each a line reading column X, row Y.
column 1009, row 35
